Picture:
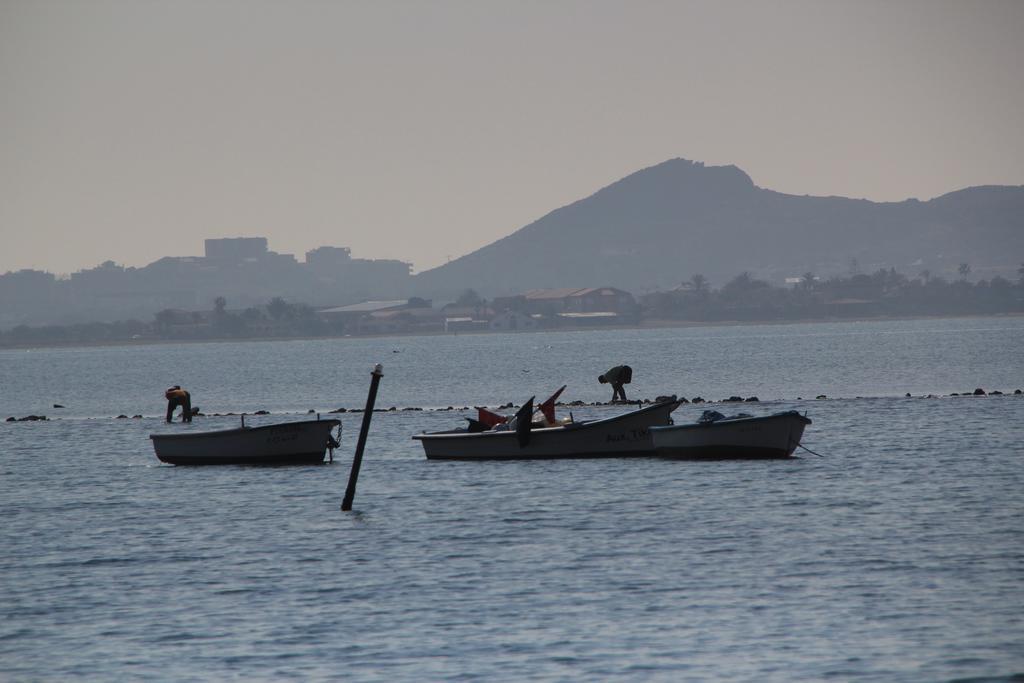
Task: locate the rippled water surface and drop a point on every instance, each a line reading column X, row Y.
column 898, row 556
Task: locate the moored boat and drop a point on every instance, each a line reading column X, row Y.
column 741, row 437
column 626, row 435
column 286, row 443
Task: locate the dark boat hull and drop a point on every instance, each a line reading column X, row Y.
column 752, row 438
column 614, row 437
column 288, row 443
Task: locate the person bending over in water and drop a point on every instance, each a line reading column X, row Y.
column 617, row 376
column 176, row 396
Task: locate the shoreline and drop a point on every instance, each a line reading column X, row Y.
column 653, row 324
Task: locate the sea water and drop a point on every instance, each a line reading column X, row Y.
column 897, row 556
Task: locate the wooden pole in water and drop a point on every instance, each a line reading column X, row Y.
column 371, row 398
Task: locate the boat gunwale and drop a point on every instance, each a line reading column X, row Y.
column 234, row 431
column 557, row 429
column 789, row 414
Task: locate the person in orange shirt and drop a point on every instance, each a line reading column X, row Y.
column 176, row 396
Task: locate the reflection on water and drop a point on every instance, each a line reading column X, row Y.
column 895, row 557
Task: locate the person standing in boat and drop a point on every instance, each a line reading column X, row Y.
column 617, row 377
column 176, row 396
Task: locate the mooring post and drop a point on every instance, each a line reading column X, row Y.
column 371, row 398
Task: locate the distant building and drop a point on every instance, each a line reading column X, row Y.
column 590, row 319
column 466, row 318
column 553, row 302
column 241, row 269
column 382, row 317
column 181, row 324
column 106, row 279
column 328, row 261
column 334, row 268
column 509, row 303
column 25, row 283
column 405, row 320
column 601, row 300
column 548, row 301
column 363, row 308
column 513, row 321
column 465, row 324
column 30, row 297
column 236, row 248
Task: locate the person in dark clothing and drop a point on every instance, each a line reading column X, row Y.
column 176, row 396
column 617, row 376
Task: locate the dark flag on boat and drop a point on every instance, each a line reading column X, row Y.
column 523, row 419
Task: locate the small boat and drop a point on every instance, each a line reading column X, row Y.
column 286, row 443
column 715, row 436
column 625, row 435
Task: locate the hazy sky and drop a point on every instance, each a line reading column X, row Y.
column 132, row 130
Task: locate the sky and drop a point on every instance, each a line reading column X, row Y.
column 135, row 129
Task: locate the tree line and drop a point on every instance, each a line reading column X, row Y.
column 884, row 293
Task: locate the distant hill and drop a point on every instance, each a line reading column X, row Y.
column 663, row 224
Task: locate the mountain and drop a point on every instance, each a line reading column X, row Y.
column 663, row 224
